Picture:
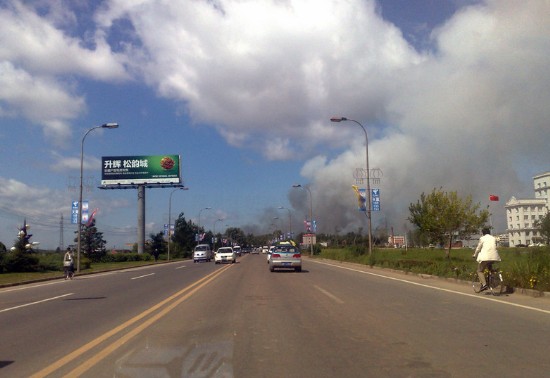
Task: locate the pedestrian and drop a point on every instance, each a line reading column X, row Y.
column 485, row 254
column 68, row 263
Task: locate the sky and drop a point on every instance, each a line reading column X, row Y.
column 453, row 95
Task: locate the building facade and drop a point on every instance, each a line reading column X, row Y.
column 522, row 214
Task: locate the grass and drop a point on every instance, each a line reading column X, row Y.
column 527, row 268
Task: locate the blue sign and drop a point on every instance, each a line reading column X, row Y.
column 375, row 196
column 74, row 212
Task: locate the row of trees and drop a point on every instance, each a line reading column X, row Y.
column 187, row 234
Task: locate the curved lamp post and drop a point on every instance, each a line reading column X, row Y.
column 310, row 213
column 368, row 212
column 170, row 217
column 204, row 208
column 280, row 226
column 216, row 221
column 289, row 221
column 111, row 125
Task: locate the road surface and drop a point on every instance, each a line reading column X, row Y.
column 331, row 320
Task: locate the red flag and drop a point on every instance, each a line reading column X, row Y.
column 493, row 197
column 90, row 221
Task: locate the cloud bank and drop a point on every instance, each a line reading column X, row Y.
column 469, row 114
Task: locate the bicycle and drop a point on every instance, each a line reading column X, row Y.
column 493, row 277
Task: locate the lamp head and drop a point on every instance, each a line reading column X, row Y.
column 111, row 125
column 297, row 186
column 338, row 119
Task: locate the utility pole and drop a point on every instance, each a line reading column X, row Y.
column 61, row 244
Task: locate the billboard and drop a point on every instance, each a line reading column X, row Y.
column 135, row 170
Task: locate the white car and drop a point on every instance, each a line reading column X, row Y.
column 225, row 255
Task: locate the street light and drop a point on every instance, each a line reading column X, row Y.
column 216, row 221
column 281, row 228
column 289, row 221
column 204, row 208
column 368, row 212
column 310, row 213
column 112, row 125
column 170, row 217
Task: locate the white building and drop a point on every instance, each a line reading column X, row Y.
column 521, row 214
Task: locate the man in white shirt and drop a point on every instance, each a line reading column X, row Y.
column 485, row 254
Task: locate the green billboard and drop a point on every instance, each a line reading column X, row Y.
column 137, row 170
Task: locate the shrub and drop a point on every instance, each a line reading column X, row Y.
column 21, row 261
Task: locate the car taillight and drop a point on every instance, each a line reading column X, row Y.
column 296, row 255
column 275, row 255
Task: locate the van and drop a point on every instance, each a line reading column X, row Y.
column 202, row 252
column 237, row 250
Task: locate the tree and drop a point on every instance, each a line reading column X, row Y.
column 543, row 225
column 92, row 243
column 442, row 216
column 236, row 236
column 157, row 244
column 184, row 235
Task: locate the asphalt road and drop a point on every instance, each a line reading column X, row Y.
column 205, row 320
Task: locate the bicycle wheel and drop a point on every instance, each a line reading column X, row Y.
column 476, row 283
column 495, row 283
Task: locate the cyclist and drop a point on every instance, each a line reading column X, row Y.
column 485, row 254
column 68, row 263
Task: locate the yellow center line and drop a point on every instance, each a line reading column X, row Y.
column 191, row 289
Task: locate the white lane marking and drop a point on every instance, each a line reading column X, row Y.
column 31, row 286
column 179, row 267
column 477, row 296
column 37, row 302
column 145, row 275
column 331, row 296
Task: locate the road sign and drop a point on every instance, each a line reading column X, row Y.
column 74, row 212
column 375, row 197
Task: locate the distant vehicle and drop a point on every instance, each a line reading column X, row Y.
column 285, row 255
column 225, row 254
column 255, row 251
column 265, row 249
column 269, row 251
column 237, row 250
column 202, row 252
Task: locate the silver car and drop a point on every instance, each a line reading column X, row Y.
column 202, row 252
column 285, row 255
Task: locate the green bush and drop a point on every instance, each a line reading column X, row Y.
column 21, row 261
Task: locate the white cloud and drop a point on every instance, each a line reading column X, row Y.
column 471, row 115
column 39, row 63
column 259, row 66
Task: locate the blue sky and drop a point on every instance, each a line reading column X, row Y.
column 453, row 94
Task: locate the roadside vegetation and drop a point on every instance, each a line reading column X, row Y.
column 527, row 268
